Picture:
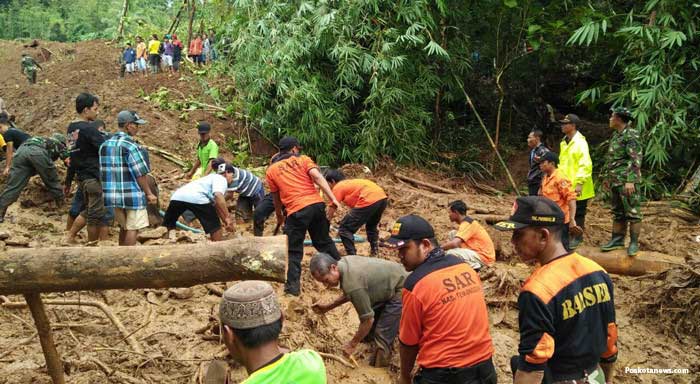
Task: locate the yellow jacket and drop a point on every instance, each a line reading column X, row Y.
column 575, row 163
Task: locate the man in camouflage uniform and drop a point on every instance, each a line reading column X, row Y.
column 623, row 176
column 35, row 156
column 29, row 66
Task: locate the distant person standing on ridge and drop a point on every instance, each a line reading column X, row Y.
column 195, row 50
column 29, row 66
column 177, row 53
column 206, row 49
column 576, row 165
column 154, row 53
column 141, row 56
column 129, row 57
column 168, row 53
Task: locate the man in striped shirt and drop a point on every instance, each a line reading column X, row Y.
column 250, row 191
column 123, row 173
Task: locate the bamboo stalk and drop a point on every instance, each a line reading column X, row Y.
column 488, row 136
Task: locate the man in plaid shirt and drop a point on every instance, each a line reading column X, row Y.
column 123, row 172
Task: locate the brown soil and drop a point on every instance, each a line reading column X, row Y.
column 166, row 325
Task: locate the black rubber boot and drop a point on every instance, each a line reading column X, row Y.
column 618, row 237
column 635, row 230
column 3, row 210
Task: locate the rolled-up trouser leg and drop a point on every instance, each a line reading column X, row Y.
column 387, row 324
column 95, row 211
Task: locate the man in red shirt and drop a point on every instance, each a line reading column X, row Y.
column 292, row 179
column 444, row 321
column 367, row 201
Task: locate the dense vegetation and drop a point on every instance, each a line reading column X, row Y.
column 364, row 80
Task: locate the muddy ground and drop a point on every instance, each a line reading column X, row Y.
column 174, row 327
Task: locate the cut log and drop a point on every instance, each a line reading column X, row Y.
column 618, row 262
column 424, row 185
column 97, row 268
column 491, row 219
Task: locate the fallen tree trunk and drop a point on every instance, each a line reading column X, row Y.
column 618, row 262
column 97, row 268
column 424, row 185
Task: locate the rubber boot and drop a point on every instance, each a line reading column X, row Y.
column 635, row 229
column 618, row 237
column 3, row 210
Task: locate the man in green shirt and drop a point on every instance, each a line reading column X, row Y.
column 29, row 67
column 251, row 322
column 36, row 156
column 207, row 150
column 374, row 288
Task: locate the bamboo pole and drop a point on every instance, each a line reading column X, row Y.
column 488, row 136
column 43, row 327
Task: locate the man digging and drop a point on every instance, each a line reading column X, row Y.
column 35, row 156
column 373, row 286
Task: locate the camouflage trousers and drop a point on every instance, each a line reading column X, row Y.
column 31, row 75
column 626, row 208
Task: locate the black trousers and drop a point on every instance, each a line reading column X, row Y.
column 357, row 217
column 581, row 209
column 311, row 219
column 263, row 210
column 482, row 373
column 533, row 187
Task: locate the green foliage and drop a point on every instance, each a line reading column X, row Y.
column 658, row 63
column 354, row 81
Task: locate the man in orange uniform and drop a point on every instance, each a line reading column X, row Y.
column 567, row 323
column 556, row 187
column 292, row 179
column 444, row 321
column 471, row 242
column 367, row 201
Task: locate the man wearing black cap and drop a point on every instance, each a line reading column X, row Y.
column 576, row 165
column 207, row 150
column 558, row 188
column 124, row 176
column 567, row 312
column 292, row 179
column 444, row 321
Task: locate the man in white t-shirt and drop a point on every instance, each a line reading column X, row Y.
column 198, row 196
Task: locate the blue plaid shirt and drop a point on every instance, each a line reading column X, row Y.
column 121, row 163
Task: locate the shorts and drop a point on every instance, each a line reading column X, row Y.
column 469, row 256
column 130, row 67
column 78, row 205
column 154, row 59
column 131, row 219
column 94, row 207
column 168, row 60
column 205, row 213
column 141, row 64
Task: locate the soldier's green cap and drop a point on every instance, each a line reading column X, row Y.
column 58, row 137
column 622, row 112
